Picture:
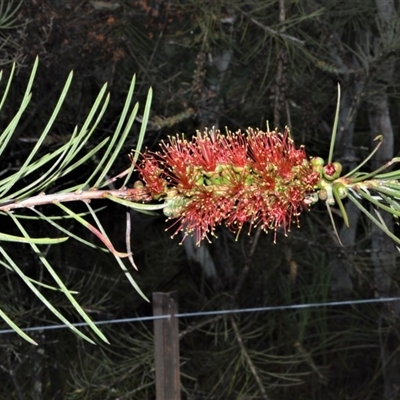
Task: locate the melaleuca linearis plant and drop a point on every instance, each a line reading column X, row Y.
column 239, row 179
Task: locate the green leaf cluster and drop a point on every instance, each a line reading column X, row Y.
column 44, row 168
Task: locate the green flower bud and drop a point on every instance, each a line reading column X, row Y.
column 332, row 171
column 341, row 190
column 318, row 165
column 317, row 161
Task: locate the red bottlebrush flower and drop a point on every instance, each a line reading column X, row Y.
column 254, row 177
column 151, row 174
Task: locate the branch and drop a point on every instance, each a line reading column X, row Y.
column 270, row 30
column 249, row 360
column 129, row 194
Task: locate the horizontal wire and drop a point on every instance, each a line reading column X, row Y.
column 210, row 313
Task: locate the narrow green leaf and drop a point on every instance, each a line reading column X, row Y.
column 85, row 133
column 68, row 232
column 372, row 200
column 117, row 149
column 41, row 297
column 89, row 154
column 375, row 174
column 41, row 138
column 49, row 176
column 11, row 238
column 50, row 217
column 12, row 126
column 7, row 89
column 15, row 327
column 389, row 184
column 142, row 133
column 68, row 151
column 334, row 129
column 118, row 129
column 328, row 207
column 120, row 263
column 388, row 190
column 60, row 283
column 393, row 203
column 143, row 128
column 7, row 20
column 5, row 265
column 136, row 206
column 373, row 219
column 341, row 206
column 31, row 168
column 98, row 233
column 357, row 168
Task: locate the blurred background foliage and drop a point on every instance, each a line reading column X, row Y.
column 234, row 63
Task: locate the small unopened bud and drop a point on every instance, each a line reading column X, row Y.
column 332, row 171
column 323, row 194
column 341, row 190
column 317, row 161
column 318, row 165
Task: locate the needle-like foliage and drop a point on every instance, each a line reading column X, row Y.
column 33, row 185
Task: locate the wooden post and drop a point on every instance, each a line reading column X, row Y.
column 166, row 347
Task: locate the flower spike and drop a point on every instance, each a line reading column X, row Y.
column 252, row 177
